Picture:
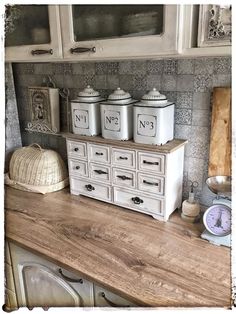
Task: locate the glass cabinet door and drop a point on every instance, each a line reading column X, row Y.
column 27, row 25
column 112, row 21
column 32, row 32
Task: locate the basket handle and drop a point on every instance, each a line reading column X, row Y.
column 36, row 145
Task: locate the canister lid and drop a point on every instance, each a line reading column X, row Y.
column 154, row 98
column 89, row 95
column 119, row 96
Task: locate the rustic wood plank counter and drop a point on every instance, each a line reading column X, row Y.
column 152, row 263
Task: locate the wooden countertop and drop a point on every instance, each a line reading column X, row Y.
column 164, row 149
column 152, row 263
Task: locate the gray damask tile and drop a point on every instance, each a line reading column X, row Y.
column 221, row 80
column 138, row 94
column 183, row 131
column 58, row 68
column 155, row 66
column 202, row 82
column 222, row 65
column 201, row 100
column 185, row 82
column 43, row 68
column 201, row 117
column 67, row 69
column 89, row 79
column 112, row 67
column 59, row 80
column 100, row 82
column 101, row 68
column 30, row 80
column 185, row 66
column 184, row 100
column 89, row 68
column 77, row 68
column 139, row 67
column 200, row 138
column 170, row 66
column 125, row 67
column 154, row 81
column 204, row 66
column 195, row 170
column 171, row 96
column 183, row 116
column 168, row 82
column 126, row 81
column 140, row 82
column 112, row 81
column 23, row 68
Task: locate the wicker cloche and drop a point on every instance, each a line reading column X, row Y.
column 37, row 170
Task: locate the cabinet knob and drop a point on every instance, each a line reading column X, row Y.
column 150, row 183
column 137, row 200
column 82, row 49
column 80, row 280
column 123, row 158
column 112, row 304
column 99, row 171
column 151, row 162
column 41, row 52
column 76, row 149
column 98, row 154
column 123, row 177
column 89, row 187
column 77, row 167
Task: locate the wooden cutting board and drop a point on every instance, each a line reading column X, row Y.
column 220, row 139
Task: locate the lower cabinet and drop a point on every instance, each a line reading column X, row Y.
column 41, row 283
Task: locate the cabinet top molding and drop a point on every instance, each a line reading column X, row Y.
column 147, row 261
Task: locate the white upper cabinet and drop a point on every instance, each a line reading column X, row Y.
column 33, row 33
column 118, row 31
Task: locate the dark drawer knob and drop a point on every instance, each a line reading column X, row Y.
column 151, row 162
column 89, row 187
column 99, row 171
column 98, row 154
column 80, row 280
column 112, row 304
column 137, row 200
column 150, row 183
column 77, row 167
column 76, row 149
column 41, row 52
column 82, row 49
column 124, row 177
column 123, row 158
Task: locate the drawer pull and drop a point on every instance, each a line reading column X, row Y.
column 77, row 167
column 150, row 183
column 112, row 304
column 137, row 200
column 82, row 50
column 151, row 162
column 80, row 280
column 41, row 52
column 123, row 158
column 89, row 187
column 76, row 149
column 99, row 154
column 98, row 171
column 123, row 177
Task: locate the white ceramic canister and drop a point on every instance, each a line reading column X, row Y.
column 153, row 119
column 85, row 112
column 117, row 116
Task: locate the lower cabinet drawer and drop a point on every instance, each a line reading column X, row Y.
column 150, row 184
column 138, row 201
column 78, row 167
column 105, row 298
column 123, row 177
column 99, row 172
column 89, row 188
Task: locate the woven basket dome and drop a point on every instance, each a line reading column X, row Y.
column 37, row 170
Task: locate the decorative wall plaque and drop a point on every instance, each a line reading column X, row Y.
column 214, row 28
column 44, row 110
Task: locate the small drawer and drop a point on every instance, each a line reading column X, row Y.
column 99, row 153
column 99, row 172
column 151, row 184
column 89, row 188
column 124, row 158
column 78, row 168
column 139, row 201
column 123, row 177
column 76, row 149
column 151, row 162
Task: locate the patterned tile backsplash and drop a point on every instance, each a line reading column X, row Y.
column 188, row 82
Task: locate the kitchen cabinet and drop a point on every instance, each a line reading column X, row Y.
column 41, row 283
column 148, row 180
column 118, row 31
column 33, row 33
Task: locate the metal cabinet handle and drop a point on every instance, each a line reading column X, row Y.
column 151, row 162
column 77, row 167
column 41, row 52
column 123, row 177
column 100, row 171
column 80, row 280
column 89, row 187
column 112, row 304
column 137, row 200
column 123, row 158
column 99, row 154
column 150, row 183
column 76, row 149
column 82, row 49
